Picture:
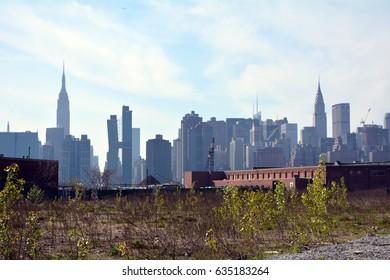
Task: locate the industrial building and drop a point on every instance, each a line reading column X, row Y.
column 43, row 173
column 357, row 176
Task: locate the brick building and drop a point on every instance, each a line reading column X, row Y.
column 357, row 176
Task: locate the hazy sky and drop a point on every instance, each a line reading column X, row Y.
column 166, row 58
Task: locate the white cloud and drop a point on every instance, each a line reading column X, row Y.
column 99, row 50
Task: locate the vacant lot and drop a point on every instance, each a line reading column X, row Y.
column 230, row 224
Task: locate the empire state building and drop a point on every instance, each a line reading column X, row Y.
column 63, row 113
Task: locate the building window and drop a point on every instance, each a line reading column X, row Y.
column 377, row 173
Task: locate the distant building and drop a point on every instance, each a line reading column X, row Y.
column 136, row 147
column 305, row 155
column 54, row 138
column 219, row 132
column 19, row 144
column 139, row 170
column 371, row 137
column 127, row 145
column 319, row 116
column 380, row 155
column 63, row 112
column 112, row 163
column 47, row 152
column 269, row 157
column 76, row 160
column 271, row 131
column 120, row 172
column 284, row 144
column 309, row 136
column 256, row 134
column 357, row 177
column 200, row 138
column 177, row 166
column 326, row 145
column 341, row 124
column 386, row 124
column 291, row 132
column 237, row 150
column 158, row 159
column 42, row 173
column 242, row 130
column 341, row 152
column 188, row 122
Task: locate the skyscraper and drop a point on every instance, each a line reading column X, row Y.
column 158, row 159
column 63, row 113
column 76, row 159
column 188, row 122
column 127, row 140
column 319, row 117
column 54, row 138
column 112, row 163
column 199, row 139
column 386, row 124
column 341, row 121
column 236, row 154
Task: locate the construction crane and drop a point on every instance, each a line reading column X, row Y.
column 210, row 157
column 363, row 122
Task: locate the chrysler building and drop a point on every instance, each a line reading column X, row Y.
column 319, row 117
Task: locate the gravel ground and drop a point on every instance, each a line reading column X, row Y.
column 370, row 247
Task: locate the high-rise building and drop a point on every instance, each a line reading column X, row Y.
column 386, row 123
column 112, row 163
column 237, row 153
column 269, row 157
column 256, row 134
column 54, row 138
column 219, row 132
column 309, row 136
column 188, row 122
column 341, row 121
column 136, row 150
column 139, row 170
column 76, row 160
column 290, row 130
column 371, row 137
column 200, row 138
column 305, row 155
column 319, row 117
column 158, row 159
column 136, row 143
column 63, row 113
column 177, row 166
column 271, row 131
column 127, row 140
column 341, row 152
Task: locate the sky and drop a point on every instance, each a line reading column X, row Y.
column 165, row 59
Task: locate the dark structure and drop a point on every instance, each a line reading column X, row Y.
column 43, row 173
column 357, row 176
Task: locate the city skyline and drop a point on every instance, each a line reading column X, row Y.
column 167, row 59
